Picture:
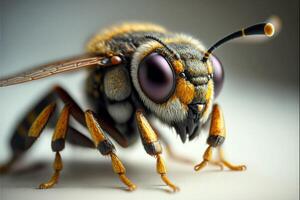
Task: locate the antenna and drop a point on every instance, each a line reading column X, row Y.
column 172, row 51
column 258, row 29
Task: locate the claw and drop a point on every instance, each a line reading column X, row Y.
column 51, row 182
column 229, row 165
column 46, row 186
column 201, row 165
column 234, row 167
column 169, row 183
column 207, row 158
column 127, row 182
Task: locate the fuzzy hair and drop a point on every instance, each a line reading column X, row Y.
column 98, row 42
column 173, row 110
column 169, row 112
column 117, row 84
column 186, row 39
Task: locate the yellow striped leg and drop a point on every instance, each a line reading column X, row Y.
column 217, row 134
column 104, row 145
column 153, row 147
column 58, row 144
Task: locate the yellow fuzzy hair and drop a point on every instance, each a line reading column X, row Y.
column 97, row 43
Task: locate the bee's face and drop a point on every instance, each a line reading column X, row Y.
column 178, row 91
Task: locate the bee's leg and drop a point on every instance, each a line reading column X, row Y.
column 79, row 115
column 105, row 146
column 76, row 138
column 63, row 133
column 57, row 145
column 152, row 146
column 216, row 138
column 19, row 143
column 23, row 141
column 19, row 138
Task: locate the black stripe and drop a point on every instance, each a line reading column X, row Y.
column 106, row 147
column 153, row 148
column 58, row 145
column 215, row 140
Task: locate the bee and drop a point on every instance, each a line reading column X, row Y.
column 136, row 71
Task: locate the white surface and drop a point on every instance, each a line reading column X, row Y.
column 263, row 126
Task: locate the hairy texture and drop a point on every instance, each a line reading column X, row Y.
column 129, row 39
column 171, row 111
column 191, row 52
column 99, row 43
column 200, row 93
column 117, row 84
column 197, row 85
column 186, row 39
column 185, row 91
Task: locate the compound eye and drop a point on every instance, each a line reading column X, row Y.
column 218, row 74
column 156, row 77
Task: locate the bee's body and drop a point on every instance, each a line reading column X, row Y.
column 112, row 91
column 136, row 71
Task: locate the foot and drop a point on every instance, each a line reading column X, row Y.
column 207, row 159
column 51, row 182
column 228, row 164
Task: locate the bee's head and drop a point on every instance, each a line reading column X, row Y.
column 177, row 80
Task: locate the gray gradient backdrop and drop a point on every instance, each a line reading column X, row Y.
column 260, row 97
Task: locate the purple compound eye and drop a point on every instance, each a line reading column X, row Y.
column 218, row 74
column 156, row 77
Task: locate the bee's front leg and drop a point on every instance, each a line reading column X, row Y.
column 217, row 134
column 153, row 147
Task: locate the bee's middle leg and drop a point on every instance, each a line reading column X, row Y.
column 152, row 146
column 105, row 146
column 57, row 145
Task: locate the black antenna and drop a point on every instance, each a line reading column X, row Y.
column 172, row 51
column 258, row 29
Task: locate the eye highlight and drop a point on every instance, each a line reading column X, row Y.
column 156, row 77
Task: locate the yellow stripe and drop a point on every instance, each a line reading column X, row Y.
column 38, row 125
column 145, row 128
column 62, row 124
column 94, row 128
